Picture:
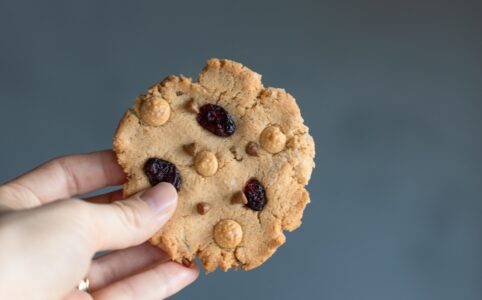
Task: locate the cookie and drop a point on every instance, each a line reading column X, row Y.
column 238, row 154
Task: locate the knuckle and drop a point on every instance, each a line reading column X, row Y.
column 72, row 181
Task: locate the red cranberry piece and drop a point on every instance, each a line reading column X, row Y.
column 254, row 192
column 216, row 119
column 159, row 170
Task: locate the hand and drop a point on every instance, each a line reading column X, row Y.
column 47, row 244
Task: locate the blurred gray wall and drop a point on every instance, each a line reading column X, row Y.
column 392, row 92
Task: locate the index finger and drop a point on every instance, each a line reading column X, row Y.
column 71, row 175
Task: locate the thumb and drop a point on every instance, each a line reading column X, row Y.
column 130, row 222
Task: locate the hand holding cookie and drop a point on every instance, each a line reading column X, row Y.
column 238, row 155
column 48, row 238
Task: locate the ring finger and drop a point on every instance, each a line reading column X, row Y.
column 159, row 282
column 123, row 263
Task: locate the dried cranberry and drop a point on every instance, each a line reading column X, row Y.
column 216, row 119
column 159, row 170
column 254, row 191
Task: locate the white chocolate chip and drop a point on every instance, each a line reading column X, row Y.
column 228, row 234
column 155, row 111
column 272, row 139
column 206, row 163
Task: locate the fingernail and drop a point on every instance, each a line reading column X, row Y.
column 160, row 198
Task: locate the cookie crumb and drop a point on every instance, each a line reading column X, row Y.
column 206, row 163
column 203, row 208
column 191, row 149
column 239, row 198
column 192, row 106
column 237, row 156
column 228, row 234
column 252, row 149
column 272, row 139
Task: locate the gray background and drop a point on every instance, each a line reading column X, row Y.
column 390, row 89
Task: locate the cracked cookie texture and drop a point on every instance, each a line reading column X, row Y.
column 270, row 144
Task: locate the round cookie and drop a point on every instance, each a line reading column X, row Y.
column 238, row 153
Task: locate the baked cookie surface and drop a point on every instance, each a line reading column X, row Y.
column 238, row 153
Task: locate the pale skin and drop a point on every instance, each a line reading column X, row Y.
column 48, row 238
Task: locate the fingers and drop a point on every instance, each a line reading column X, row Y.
column 59, row 239
column 107, row 197
column 159, row 282
column 118, row 265
column 130, row 222
column 68, row 176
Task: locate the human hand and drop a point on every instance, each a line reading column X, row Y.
column 48, row 239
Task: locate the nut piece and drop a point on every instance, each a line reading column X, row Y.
column 192, row 106
column 206, row 163
column 252, row 149
column 228, row 234
column 191, row 149
column 155, row 111
column 239, row 198
column 272, row 139
column 203, row 208
column 237, row 156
